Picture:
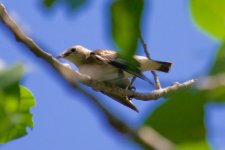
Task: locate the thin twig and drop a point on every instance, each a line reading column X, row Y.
column 131, row 82
column 156, row 78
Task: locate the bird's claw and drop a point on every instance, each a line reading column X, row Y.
column 132, row 88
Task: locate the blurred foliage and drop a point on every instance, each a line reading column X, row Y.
column 125, row 26
column 219, row 63
column 15, row 104
column 126, row 19
column 202, row 145
column 48, row 3
column 218, row 68
column 73, row 4
column 215, row 94
column 181, row 119
column 210, row 15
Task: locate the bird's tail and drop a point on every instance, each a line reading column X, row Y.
column 123, row 100
column 163, row 66
column 149, row 64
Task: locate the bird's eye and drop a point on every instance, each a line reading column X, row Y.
column 73, row 49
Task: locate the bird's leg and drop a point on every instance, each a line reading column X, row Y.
column 130, row 87
column 122, row 81
column 127, row 84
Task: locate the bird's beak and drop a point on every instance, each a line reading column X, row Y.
column 60, row 56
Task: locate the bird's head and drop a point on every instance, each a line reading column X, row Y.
column 76, row 54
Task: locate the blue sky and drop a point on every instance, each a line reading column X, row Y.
column 63, row 119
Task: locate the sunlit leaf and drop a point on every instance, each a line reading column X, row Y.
column 15, row 104
column 210, row 16
column 126, row 20
column 200, row 145
column 26, row 102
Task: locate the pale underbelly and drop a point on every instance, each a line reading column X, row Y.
column 103, row 72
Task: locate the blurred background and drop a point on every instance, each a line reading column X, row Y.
column 63, row 119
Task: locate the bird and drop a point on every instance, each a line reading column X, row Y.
column 109, row 66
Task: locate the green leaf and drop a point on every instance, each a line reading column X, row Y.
column 126, row 20
column 215, row 94
column 201, row 145
column 26, row 102
column 218, row 69
column 210, row 16
column 15, row 104
column 10, row 76
column 48, row 3
column 219, row 63
column 73, row 4
column 181, row 119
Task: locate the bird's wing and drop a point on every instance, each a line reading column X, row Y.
column 104, row 55
column 112, row 58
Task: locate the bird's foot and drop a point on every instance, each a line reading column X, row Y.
column 132, row 88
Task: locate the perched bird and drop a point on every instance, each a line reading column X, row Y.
column 107, row 66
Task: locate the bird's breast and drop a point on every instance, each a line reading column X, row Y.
column 100, row 72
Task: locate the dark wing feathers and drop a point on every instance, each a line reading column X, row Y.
column 112, row 58
column 134, row 70
column 107, row 54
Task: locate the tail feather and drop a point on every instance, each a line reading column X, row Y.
column 149, row 64
column 164, row 66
